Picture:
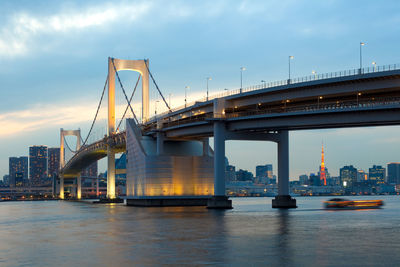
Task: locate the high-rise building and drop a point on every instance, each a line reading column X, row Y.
column 393, row 175
column 264, row 173
column 91, row 170
column 361, row 176
column 19, row 179
column 38, row 165
column 314, row 180
column 377, row 174
column 18, row 165
column 243, row 175
column 230, row 173
column 53, row 162
column 6, row 180
column 348, row 176
column 322, row 173
column 303, row 179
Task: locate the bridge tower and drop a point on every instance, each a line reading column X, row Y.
column 64, row 133
column 114, row 65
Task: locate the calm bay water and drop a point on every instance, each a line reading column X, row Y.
column 57, row 233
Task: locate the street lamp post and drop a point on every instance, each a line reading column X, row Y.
column 208, row 79
column 241, row 78
column 186, row 88
column 290, row 57
column 169, row 99
column 361, row 45
column 155, row 108
column 264, row 83
column 374, row 64
column 315, row 74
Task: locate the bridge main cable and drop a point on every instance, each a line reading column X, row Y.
column 158, row 89
column 130, row 100
column 95, row 116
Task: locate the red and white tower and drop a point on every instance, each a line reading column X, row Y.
column 322, row 170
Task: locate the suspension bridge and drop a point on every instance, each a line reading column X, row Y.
column 169, row 160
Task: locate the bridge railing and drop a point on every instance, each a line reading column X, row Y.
column 319, row 106
column 309, row 78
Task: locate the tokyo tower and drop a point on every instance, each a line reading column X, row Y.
column 322, row 171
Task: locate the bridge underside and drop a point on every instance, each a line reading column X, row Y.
column 312, row 120
column 85, row 160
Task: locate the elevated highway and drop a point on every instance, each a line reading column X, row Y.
column 267, row 112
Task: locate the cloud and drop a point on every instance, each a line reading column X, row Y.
column 17, row 35
column 42, row 116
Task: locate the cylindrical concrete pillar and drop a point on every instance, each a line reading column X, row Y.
column 206, row 145
column 219, row 158
column 110, row 173
column 61, row 186
column 97, row 186
column 160, row 143
column 79, row 187
column 283, row 163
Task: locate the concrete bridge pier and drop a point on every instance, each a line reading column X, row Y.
column 110, row 173
column 219, row 200
column 79, row 187
column 61, row 186
column 283, row 199
column 160, row 143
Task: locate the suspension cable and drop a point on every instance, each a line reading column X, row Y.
column 130, row 100
column 95, row 116
column 123, row 90
column 158, row 89
column 69, row 148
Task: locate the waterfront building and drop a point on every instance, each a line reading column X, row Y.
column 393, row 175
column 19, row 179
column 314, row 180
column 92, row 169
column 303, row 179
column 264, row 172
column 334, row 181
column 377, row 174
column 38, row 165
column 244, row 175
column 230, row 173
column 362, row 176
column 53, row 163
column 6, row 180
column 18, row 165
column 348, row 176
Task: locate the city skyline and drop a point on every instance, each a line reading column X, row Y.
column 64, row 72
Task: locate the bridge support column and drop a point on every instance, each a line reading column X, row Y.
column 97, row 186
column 160, row 143
column 61, row 186
column 219, row 200
column 206, row 145
column 79, row 187
column 283, row 199
column 110, row 173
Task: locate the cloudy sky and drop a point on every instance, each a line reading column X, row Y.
column 53, row 64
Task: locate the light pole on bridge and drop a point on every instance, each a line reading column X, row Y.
column 208, row 79
column 315, row 74
column 186, row 88
column 241, row 78
column 374, row 64
column 155, row 107
column 290, row 58
column 361, row 45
